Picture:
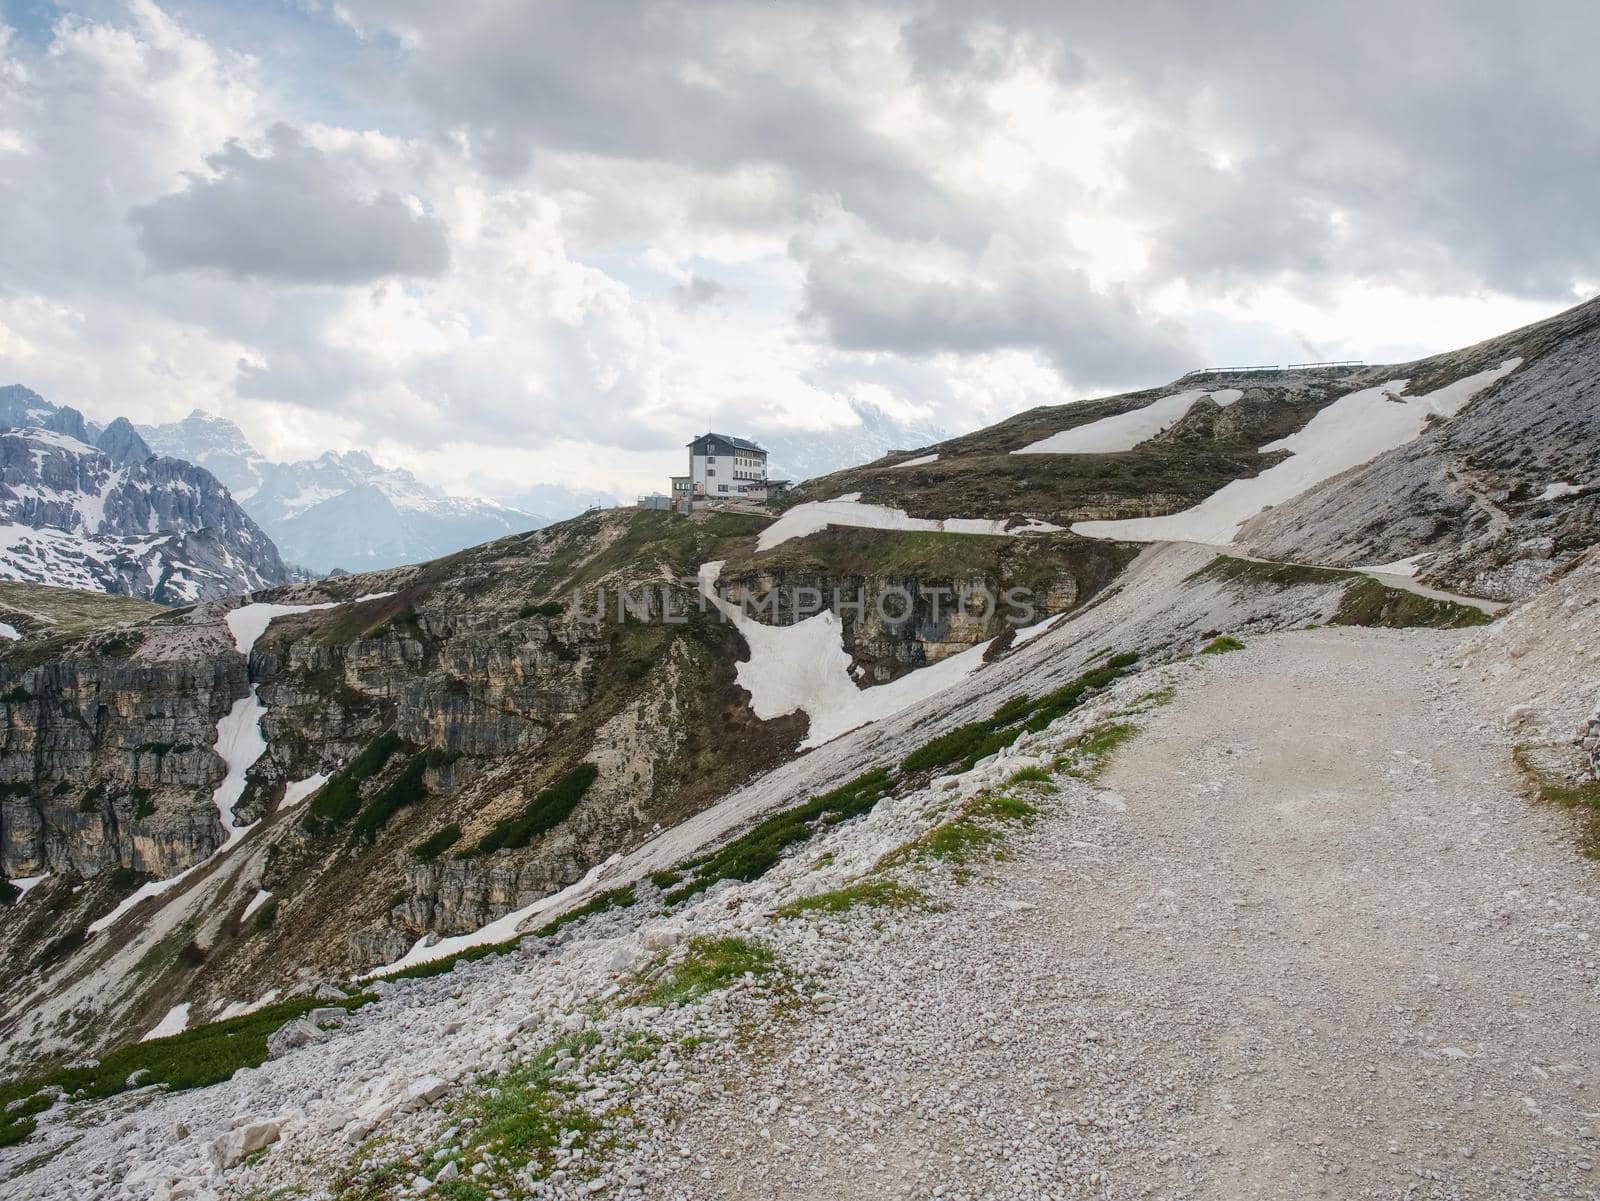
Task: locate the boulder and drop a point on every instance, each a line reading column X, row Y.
column 425, row 1090
column 234, row 1146
column 290, row 1036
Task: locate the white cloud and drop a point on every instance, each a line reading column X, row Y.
column 548, row 240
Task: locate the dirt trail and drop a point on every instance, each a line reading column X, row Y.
column 1408, row 942
column 1306, row 939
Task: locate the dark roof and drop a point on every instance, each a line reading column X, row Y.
column 736, row 443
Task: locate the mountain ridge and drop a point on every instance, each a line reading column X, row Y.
column 488, row 763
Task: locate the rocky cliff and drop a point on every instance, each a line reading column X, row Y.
column 436, row 707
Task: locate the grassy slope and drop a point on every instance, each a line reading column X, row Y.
column 978, row 476
column 43, row 609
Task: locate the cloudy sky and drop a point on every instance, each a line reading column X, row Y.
column 506, row 242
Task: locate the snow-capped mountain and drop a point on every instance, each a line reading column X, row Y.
column 806, row 454
column 216, row 444
column 339, row 510
column 113, row 518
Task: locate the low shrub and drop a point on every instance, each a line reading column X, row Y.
column 751, row 854
column 543, row 813
column 437, row 844
column 267, row 915
column 197, row 1057
column 407, row 788
column 337, row 801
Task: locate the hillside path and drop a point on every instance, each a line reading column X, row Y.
column 1305, row 939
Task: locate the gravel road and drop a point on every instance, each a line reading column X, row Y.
column 1306, row 938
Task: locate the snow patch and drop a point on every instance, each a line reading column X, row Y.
column 1027, row 634
column 248, row 622
column 1407, row 567
column 240, row 743
column 176, row 1021
column 1124, row 431
column 298, row 790
column 848, row 510
column 804, row 667
column 9, row 631
column 23, row 883
column 1354, row 429
column 260, row 899
column 236, row 1009
column 1558, row 490
column 918, row 462
column 154, row 888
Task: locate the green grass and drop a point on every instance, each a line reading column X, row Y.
column 1091, row 754
column 1581, row 796
column 875, row 892
column 1366, row 602
column 750, row 856
column 961, row 749
column 197, row 1057
column 1151, row 700
column 68, row 610
column 437, row 843
column 1032, row 777
column 973, row 834
column 651, row 539
column 518, row 1120
column 337, row 801
column 1222, row 645
column 616, row 898
column 710, row 964
column 543, row 813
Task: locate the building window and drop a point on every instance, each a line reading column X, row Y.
column 722, row 487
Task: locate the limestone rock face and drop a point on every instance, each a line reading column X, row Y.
column 108, row 763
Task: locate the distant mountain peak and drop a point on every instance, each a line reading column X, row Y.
column 342, row 508
column 123, row 443
column 114, row 518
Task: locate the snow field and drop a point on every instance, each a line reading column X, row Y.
column 1354, row 429
column 1124, row 431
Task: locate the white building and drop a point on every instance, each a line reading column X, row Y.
column 721, row 466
